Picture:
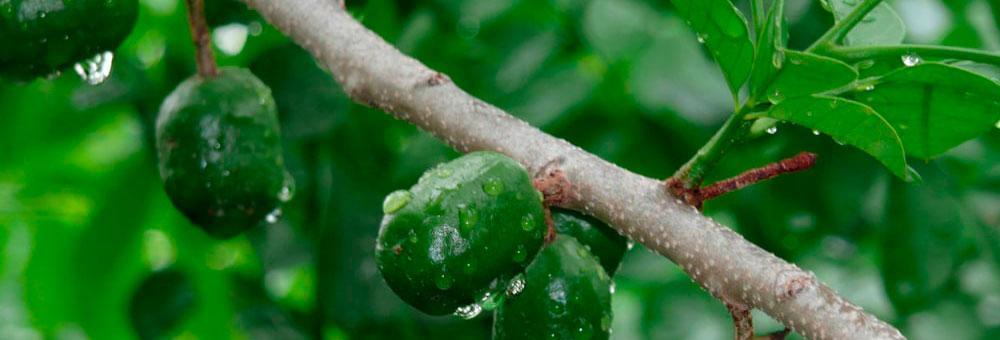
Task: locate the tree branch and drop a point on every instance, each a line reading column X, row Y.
column 374, row 73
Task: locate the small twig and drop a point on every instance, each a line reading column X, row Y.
column 202, row 38
column 696, row 196
column 804, row 160
column 550, row 224
column 742, row 321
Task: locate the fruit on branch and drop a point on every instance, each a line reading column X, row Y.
column 161, row 303
column 40, row 37
column 602, row 241
column 566, row 295
column 219, row 152
column 463, row 230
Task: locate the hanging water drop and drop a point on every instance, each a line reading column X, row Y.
column 95, row 70
column 772, row 130
column 273, row 216
column 469, row 312
column 911, row 59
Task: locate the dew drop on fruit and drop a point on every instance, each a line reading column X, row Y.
column 772, row 130
column 516, row 286
column 467, row 217
column 520, row 254
column 528, row 222
column 911, row 59
column 493, row 186
column 443, row 282
column 395, row 201
column 413, row 236
column 95, row 70
column 469, row 312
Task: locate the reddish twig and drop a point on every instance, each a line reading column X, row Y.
column 550, row 233
column 697, row 196
column 202, row 38
column 742, row 321
column 804, row 160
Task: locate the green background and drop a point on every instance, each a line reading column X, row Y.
column 84, row 219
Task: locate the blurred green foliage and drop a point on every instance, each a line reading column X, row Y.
column 84, row 220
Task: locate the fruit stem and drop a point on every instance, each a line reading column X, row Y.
column 202, row 38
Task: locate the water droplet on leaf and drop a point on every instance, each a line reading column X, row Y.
column 469, row 312
column 516, row 286
column 273, row 216
column 395, row 201
column 772, row 130
column 911, row 59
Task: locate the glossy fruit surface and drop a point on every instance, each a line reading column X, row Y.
column 39, row 37
column 220, row 152
column 466, row 227
column 566, row 295
column 602, row 241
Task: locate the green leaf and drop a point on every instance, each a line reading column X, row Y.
column 771, row 40
column 935, row 107
column 724, row 31
column 803, row 74
column 882, row 26
column 847, row 122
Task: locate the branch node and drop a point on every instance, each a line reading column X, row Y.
column 555, row 187
column 742, row 320
column 791, row 283
column 436, row 78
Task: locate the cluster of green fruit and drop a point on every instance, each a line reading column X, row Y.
column 469, row 236
column 217, row 137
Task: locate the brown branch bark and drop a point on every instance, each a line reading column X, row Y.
column 202, row 38
column 374, row 73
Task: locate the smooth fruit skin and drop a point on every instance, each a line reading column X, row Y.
column 220, row 154
column 602, row 241
column 40, row 37
column 566, row 295
column 465, row 228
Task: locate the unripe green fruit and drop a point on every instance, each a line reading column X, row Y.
column 160, row 304
column 39, row 37
column 466, row 227
column 220, row 155
column 566, row 295
column 602, row 241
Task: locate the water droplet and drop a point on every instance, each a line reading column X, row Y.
column 203, row 164
column 413, row 236
column 868, row 87
column 528, row 222
column 864, row 64
column 443, row 282
column 605, row 322
column 225, row 173
column 493, row 186
column 516, row 286
column 611, row 288
column 469, row 312
column 395, row 201
column 778, row 59
column 815, row 132
column 95, row 70
column 701, row 38
column 443, row 172
column 911, row 59
column 998, row 124
column 467, row 217
column 630, row 244
column 772, row 130
column 273, row 216
column 520, row 254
